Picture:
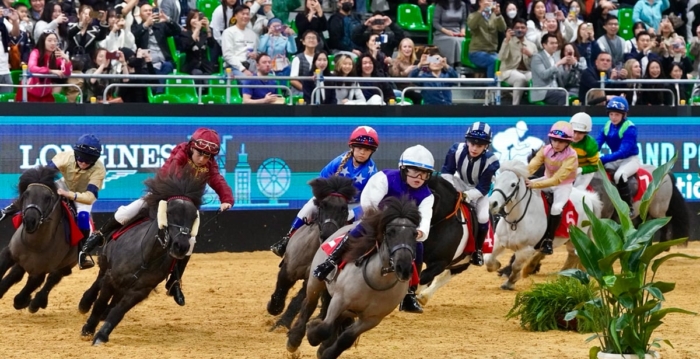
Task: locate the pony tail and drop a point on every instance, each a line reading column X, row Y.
column 343, row 162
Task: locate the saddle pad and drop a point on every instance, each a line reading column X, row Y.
column 569, row 216
column 643, row 180
column 471, row 245
column 329, row 246
column 123, row 230
column 73, row 233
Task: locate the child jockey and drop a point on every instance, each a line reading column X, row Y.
column 586, row 148
column 83, row 174
column 196, row 155
column 415, row 168
column 363, row 141
column 620, row 134
column 474, row 167
column 560, row 164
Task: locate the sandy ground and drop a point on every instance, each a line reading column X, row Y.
column 225, row 317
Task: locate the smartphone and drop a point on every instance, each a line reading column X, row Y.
column 112, row 55
column 435, row 59
column 6, row 12
column 95, row 15
column 156, row 11
column 378, row 22
column 383, row 38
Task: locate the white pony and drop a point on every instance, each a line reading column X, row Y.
column 525, row 219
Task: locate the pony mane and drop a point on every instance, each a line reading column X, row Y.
column 516, row 166
column 174, row 183
column 374, row 222
column 42, row 174
column 323, row 187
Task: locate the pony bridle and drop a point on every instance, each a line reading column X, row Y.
column 509, row 198
column 54, row 203
column 401, row 246
column 163, row 225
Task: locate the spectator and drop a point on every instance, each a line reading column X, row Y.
column 680, row 91
column 599, row 17
column 402, row 66
column 26, row 24
column 611, row 42
column 485, row 26
column 631, row 44
column 666, row 38
column 301, row 64
column 546, row 72
column 323, row 96
column 590, row 79
column 53, row 19
column 171, row 9
column 260, row 14
column 644, row 52
column 561, row 29
column 239, row 43
column 549, row 6
column 586, row 44
column 372, row 48
column 46, row 58
column 96, row 87
column 571, row 73
column 278, row 43
column 535, row 22
column 692, row 18
column 262, row 95
column 389, row 33
column 312, row 18
column 20, row 43
column 118, row 36
column 516, row 56
column 131, row 13
column 649, row 12
column 83, row 36
column 351, row 93
column 152, row 34
column 634, row 72
column 196, row 41
column 574, row 19
column 139, row 63
column 449, row 29
column 655, row 71
column 221, row 17
column 367, row 66
column 434, row 66
column 695, row 51
column 5, row 78
column 677, row 54
column 340, row 27
column 511, row 14
column 72, row 93
column 37, row 8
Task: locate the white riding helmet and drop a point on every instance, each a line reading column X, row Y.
column 419, row 157
column 581, row 122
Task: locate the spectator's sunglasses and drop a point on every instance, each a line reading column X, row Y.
column 207, row 146
column 49, row 31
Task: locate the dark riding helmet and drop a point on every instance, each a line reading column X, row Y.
column 88, row 149
column 479, row 133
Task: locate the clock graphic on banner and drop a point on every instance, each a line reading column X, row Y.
column 274, row 178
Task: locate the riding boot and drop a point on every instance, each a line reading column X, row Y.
column 623, row 189
column 84, row 261
column 552, row 224
column 410, row 303
column 325, row 268
column 280, row 247
column 478, row 255
column 173, row 285
column 8, row 211
column 96, row 239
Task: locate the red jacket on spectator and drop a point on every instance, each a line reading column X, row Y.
column 180, row 157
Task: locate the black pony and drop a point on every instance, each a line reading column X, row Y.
column 132, row 266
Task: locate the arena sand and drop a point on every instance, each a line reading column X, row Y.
column 225, row 317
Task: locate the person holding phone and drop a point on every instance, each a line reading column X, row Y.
column 196, row 41
column 84, row 35
column 516, row 56
column 433, row 65
column 311, row 18
column 279, row 42
column 46, row 58
column 53, row 19
column 118, row 36
column 390, row 34
column 103, row 65
column 152, row 34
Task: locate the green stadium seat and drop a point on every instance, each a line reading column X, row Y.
column 409, row 18
column 221, row 91
column 7, row 97
column 429, row 23
column 164, row 98
column 207, row 7
column 60, row 98
column 185, row 94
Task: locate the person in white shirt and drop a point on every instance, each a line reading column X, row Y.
column 239, row 42
column 5, row 78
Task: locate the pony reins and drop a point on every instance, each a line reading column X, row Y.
column 508, row 199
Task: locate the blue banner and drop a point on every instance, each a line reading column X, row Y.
column 268, row 161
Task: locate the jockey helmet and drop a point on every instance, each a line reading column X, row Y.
column 479, row 133
column 206, row 140
column 417, row 157
column 562, row 130
column 618, row 104
column 581, row 122
column 364, row 136
column 88, row 149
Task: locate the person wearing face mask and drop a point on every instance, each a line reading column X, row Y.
column 340, row 26
column 516, row 56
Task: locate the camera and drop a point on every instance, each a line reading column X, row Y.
column 518, row 33
column 378, row 22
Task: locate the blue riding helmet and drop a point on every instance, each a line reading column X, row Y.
column 88, row 148
column 479, row 133
column 618, row 104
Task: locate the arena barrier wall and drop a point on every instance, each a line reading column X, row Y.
column 269, row 153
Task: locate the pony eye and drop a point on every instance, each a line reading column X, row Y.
column 512, row 184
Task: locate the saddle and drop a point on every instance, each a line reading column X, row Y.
column 467, row 215
column 141, row 217
column 638, row 183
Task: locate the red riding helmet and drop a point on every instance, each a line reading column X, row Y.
column 206, row 140
column 364, row 136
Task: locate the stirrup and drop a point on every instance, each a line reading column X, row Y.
column 547, row 247
column 322, row 271
column 85, row 260
column 477, row 258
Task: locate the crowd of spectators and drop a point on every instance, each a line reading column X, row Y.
column 539, row 43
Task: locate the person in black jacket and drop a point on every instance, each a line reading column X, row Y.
column 340, row 28
column 139, row 63
column 196, row 42
column 367, row 66
column 389, row 33
column 83, row 35
column 152, row 34
column 326, row 97
column 590, row 79
column 311, row 19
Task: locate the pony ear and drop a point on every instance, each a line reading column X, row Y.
column 162, row 214
column 195, row 226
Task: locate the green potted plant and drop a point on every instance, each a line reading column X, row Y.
column 544, row 306
column 623, row 261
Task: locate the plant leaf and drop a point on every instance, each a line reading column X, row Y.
column 661, row 260
column 658, row 315
column 658, row 176
column 606, row 239
column 648, row 306
column 608, row 261
column 593, row 352
column 656, row 249
column 645, row 233
column 655, row 292
column 587, row 251
column 664, row 287
column 622, row 209
column 578, row 274
column 668, row 342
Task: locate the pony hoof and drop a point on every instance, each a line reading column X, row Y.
column 507, row 286
column 84, row 308
column 423, row 300
column 21, row 303
column 32, row 308
column 293, row 350
column 99, row 340
column 278, row 325
column 294, row 355
column 275, row 306
column 492, row 267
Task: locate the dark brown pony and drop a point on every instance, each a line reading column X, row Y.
column 39, row 246
column 132, row 266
